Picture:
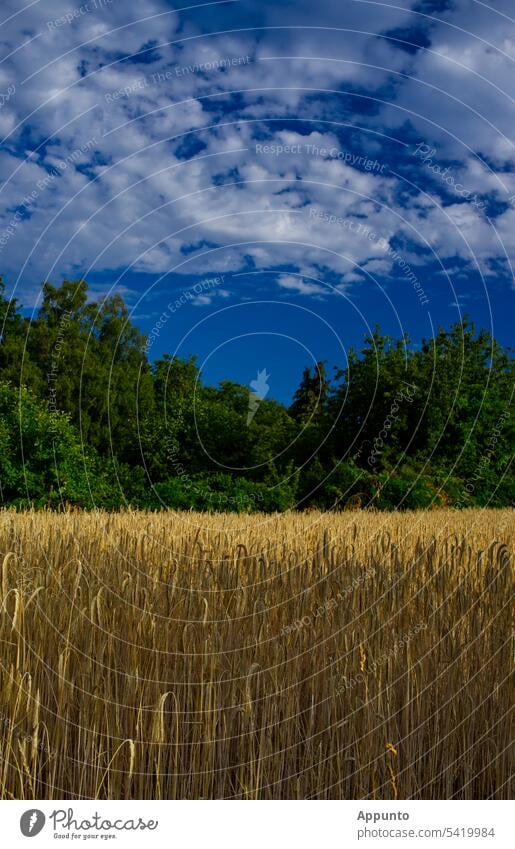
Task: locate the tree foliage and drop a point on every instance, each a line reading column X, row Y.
column 86, row 419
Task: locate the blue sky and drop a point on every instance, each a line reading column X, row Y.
column 263, row 182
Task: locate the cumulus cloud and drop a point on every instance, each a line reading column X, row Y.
column 162, row 124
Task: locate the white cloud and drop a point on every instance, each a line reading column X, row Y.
column 300, row 286
column 149, row 202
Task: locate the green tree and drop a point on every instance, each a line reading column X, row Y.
column 42, row 459
column 95, row 366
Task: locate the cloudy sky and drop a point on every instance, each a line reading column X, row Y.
column 263, row 182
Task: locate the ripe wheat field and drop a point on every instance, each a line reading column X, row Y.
column 297, row 656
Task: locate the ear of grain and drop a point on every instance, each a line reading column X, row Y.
column 183, row 655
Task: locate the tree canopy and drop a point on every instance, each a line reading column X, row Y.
column 87, row 419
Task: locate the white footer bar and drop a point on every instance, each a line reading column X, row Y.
column 256, row 825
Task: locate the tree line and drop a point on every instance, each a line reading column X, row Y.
column 87, row 419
